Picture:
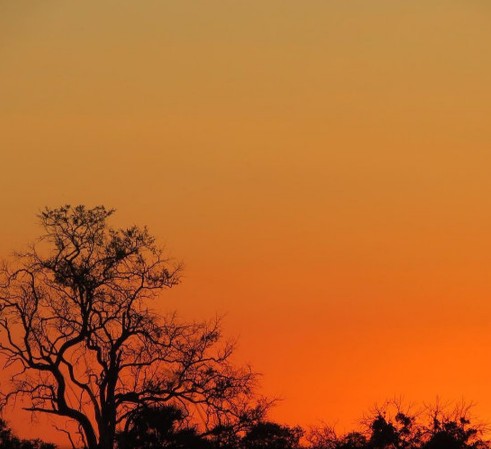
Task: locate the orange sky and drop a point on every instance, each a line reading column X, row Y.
column 322, row 167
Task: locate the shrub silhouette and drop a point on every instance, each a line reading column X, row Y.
column 160, row 427
column 270, row 435
column 9, row 441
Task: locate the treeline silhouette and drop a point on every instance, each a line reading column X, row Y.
column 386, row 428
column 169, row 427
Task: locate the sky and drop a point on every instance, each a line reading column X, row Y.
column 321, row 168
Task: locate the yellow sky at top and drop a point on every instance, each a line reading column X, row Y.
column 322, row 167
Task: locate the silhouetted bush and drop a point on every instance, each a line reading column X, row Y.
column 9, row 441
column 160, row 427
column 270, row 435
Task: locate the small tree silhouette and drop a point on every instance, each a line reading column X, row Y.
column 270, row 435
column 159, row 428
column 453, row 429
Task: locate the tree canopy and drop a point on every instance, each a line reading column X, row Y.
column 84, row 343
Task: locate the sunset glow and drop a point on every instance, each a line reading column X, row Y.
column 322, row 169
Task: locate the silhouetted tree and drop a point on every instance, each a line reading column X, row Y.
column 353, row 440
column 392, row 427
column 399, row 433
column 77, row 329
column 322, row 437
column 160, row 428
column 325, row 437
column 383, row 433
column 270, row 435
column 452, row 430
column 225, row 437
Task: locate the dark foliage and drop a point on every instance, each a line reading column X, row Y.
column 270, row 435
column 434, row 429
column 160, row 427
column 9, row 441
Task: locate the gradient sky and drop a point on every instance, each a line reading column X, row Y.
column 322, row 167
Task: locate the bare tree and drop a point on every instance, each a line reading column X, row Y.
column 77, row 330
